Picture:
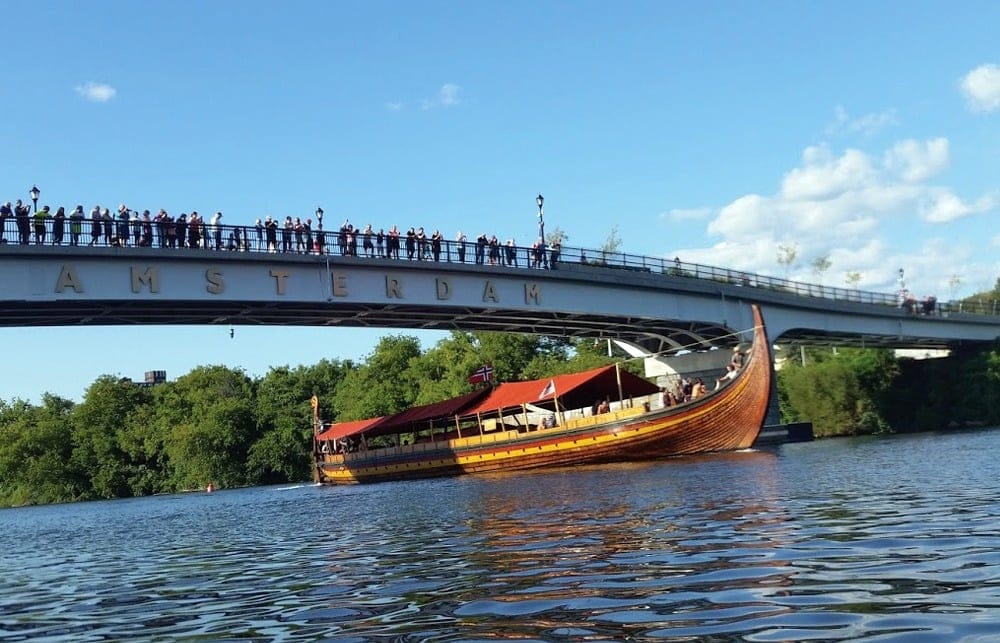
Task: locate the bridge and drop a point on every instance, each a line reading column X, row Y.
column 664, row 306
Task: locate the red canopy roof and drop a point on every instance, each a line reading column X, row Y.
column 344, row 429
column 574, row 390
column 445, row 409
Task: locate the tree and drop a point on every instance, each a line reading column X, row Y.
column 35, row 453
column 384, row 384
column 787, row 254
column 853, row 278
column 820, row 265
column 611, row 245
column 283, row 453
column 556, row 235
column 954, row 283
column 108, row 448
column 207, row 420
column 841, row 394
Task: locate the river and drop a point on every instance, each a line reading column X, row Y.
column 892, row 538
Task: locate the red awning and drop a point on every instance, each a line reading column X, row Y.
column 344, row 429
column 574, row 390
column 438, row 412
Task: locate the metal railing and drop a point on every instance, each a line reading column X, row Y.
column 116, row 233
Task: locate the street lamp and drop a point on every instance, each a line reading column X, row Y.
column 34, row 192
column 541, row 222
column 902, row 284
column 319, row 215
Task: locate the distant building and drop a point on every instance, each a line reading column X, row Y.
column 153, row 378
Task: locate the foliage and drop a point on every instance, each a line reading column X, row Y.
column 384, row 384
column 217, row 424
column 34, row 453
column 556, row 235
column 841, row 393
column 787, row 254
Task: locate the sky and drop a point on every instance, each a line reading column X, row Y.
column 865, row 133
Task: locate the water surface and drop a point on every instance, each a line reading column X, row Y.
column 881, row 539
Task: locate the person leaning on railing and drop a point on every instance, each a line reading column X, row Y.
column 40, row 218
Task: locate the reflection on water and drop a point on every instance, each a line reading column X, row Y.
column 892, row 539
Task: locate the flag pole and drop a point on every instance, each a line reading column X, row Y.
column 618, row 378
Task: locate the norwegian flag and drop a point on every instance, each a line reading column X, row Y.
column 483, row 374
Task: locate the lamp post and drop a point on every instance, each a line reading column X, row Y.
column 319, row 215
column 540, row 200
column 34, row 192
column 902, row 284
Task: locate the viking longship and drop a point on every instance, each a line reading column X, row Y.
column 551, row 422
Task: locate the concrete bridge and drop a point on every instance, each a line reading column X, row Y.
column 664, row 306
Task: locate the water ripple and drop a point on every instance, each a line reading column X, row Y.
column 869, row 539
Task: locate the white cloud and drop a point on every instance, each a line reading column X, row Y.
column 687, row 214
column 96, row 92
column 867, row 125
column 447, row 96
column 842, row 205
column 981, row 87
column 915, row 161
column 394, row 106
column 942, row 206
column 824, row 177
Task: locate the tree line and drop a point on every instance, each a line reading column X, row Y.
column 217, row 424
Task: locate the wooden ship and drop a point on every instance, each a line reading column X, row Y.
column 548, row 423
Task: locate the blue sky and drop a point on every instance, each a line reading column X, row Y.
column 865, row 132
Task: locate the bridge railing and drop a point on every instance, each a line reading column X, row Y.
column 117, row 233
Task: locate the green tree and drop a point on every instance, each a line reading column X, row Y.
column 841, row 393
column 787, row 254
column 35, row 453
column 284, row 417
column 820, row 265
column 384, row 384
column 100, row 425
column 207, row 420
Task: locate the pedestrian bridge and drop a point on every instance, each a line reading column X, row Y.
column 661, row 305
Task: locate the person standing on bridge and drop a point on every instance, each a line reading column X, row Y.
column 161, row 227
column 95, row 225
column 411, row 243
column 460, row 240
column 286, row 234
column 271, row 232
column 436, row 240
column 76, row 225
column 146, row 239
column 367, row 241
column 22, row 215
column 300, row 239
column 40, row 218
column 58, row 226
column 6, row 212
column 121, row 238
column 216, row 228
column 422, row 249
column 136, row 228
column 393, row 242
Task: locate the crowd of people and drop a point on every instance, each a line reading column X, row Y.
column 127, row 227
